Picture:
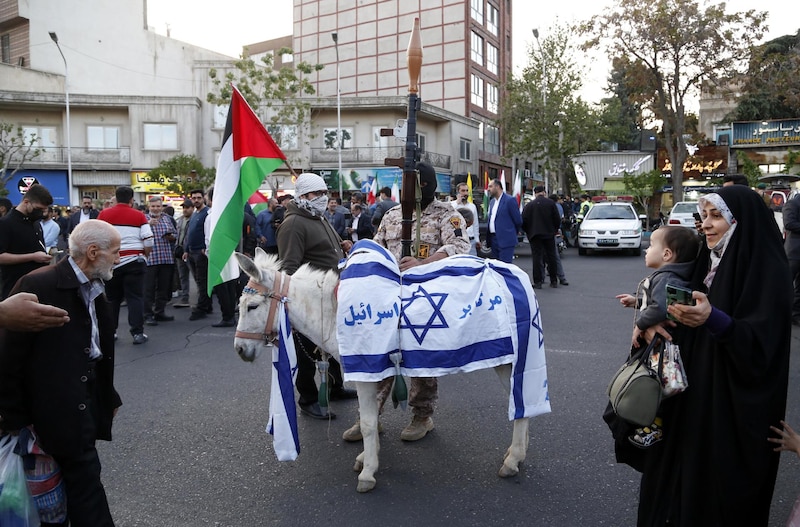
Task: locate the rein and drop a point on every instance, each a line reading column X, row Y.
column 278, row 294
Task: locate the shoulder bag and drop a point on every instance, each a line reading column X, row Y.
column 635, row 390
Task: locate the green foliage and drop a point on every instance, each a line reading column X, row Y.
column 278, row 91
column 749, row 168
column 542, row 115
column 792, row 160
column 15, row 150
column 674, row 46
column 643, row 187
column 772, row 87
column 621, row 118
column 182, row 173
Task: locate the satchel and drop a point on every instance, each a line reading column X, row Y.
column 177, row 252
column 635, row 390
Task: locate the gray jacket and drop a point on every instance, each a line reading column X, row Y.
column 651, row 301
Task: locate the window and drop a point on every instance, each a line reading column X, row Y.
column 285, row 135
column 220, row 117
column 477, row 91
column 5, row 47
column 329, row 138
column 100, row 137
column 287, row 58
column 477, row 48
column 493, row 20
column 477, row 10
column 492, row 144
column 158, row 136
column 45, row 136
column 465, row 150
column 492, row 97
column 492, row 58
column 422, row 141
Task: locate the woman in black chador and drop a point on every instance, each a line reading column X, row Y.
column 716, row 467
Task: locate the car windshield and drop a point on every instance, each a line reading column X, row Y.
column 685, row 208
column 611, row 212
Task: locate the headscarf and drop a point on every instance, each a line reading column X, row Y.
column 719, row 249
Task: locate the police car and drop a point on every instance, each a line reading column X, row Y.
column 610, row 226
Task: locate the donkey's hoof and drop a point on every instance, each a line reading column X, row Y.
column 508, row 472
column 365, row 485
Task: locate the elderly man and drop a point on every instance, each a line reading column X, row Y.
column 306, row 237
column 160, row 264
column 60, row 380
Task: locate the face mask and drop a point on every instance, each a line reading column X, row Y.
column 36, row 214
column 320, row 204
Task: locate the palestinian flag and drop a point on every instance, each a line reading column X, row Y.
column 258, row 202
column 248, row 154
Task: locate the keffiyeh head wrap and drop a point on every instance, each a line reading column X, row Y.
column 719, row 249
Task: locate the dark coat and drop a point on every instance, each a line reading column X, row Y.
column 540, row 218
column 42, row 374
column 791, row 224
column 507, row 221
column 75, row 218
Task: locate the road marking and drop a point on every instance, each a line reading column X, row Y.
column 572, row 352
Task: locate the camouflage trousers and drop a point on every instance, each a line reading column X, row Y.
column 422, row 394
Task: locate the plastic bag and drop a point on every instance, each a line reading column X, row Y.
column 44, row 478
column 673, row 376
column 16, row 505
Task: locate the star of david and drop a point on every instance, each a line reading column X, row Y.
column 435, row 300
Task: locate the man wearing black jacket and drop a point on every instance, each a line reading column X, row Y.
column 541, row 221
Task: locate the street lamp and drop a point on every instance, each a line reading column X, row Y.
column 335, row 38
column 54, row 38
column 544, row 100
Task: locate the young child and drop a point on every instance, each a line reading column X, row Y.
column 671, row 253
column 788, row 441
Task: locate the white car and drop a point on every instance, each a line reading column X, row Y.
column 611, row 226
column 682, row 214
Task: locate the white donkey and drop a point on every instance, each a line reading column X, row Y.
column 312, row 309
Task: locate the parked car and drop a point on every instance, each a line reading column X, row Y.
column 611, row 226
column 683, row 214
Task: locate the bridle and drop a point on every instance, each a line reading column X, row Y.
column 281, row 285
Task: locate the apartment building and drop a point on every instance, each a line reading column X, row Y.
column 135, row 97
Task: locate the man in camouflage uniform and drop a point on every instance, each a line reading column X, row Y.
column 442, row 234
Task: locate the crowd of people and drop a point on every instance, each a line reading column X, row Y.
column 59, row 382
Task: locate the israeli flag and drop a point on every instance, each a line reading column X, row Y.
column 459, row 314
column 282, row 411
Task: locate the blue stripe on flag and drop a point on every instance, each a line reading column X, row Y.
column 285, row 380
column 523, row 323
column 458, row 358
column 354, row 270
column 366, row 363
column 374, row 247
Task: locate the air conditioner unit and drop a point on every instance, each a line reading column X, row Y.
column 527, row 173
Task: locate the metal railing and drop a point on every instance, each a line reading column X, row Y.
column 58, row 156
column 372, row 155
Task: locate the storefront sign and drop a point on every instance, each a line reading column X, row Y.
column 54, row 180
column 766, row 133
column 706, row 161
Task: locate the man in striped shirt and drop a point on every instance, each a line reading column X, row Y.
column 129, row 273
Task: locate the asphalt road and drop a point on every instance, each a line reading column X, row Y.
column 190, row 449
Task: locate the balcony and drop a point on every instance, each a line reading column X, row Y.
column 372, row 156
column 57, row 156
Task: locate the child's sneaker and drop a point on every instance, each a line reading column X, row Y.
column 647, row 436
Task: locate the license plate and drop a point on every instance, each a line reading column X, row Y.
column 607, row 241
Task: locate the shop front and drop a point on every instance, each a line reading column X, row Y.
column 55, row 181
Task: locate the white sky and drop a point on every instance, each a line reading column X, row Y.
column 226, row 27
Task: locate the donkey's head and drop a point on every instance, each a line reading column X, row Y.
column 252, row 333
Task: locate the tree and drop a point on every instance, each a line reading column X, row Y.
column 276, row 95
column 542, row 116
column 771, row 89
column 644, row 187
column 181, row 174
column 749, row 168
column 621, row 119
column 677, row 45
column 15, row 150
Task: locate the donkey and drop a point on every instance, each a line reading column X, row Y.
column 312, row 307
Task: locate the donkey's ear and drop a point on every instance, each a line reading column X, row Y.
column 248, row 266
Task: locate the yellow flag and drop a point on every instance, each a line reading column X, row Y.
column 469, row 186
